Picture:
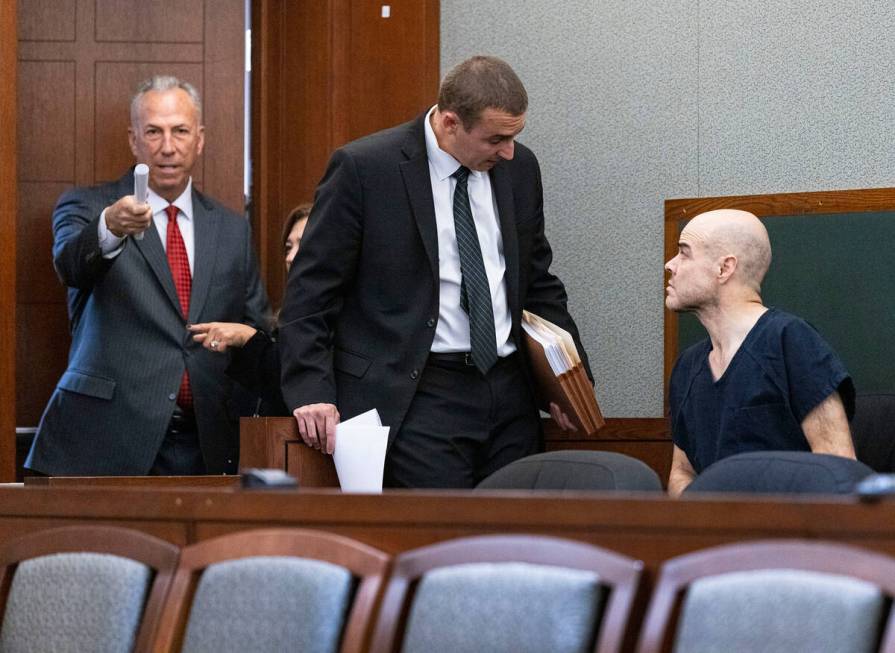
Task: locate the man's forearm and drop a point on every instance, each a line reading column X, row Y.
column 826, row 428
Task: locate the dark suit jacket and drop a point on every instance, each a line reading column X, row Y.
column 110, row 410
column 368, row 274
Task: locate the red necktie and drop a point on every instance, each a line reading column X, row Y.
column 183, row 282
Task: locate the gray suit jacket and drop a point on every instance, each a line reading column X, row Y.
column 110, row 410
column 362, row 301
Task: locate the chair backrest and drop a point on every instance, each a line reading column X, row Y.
column 781, row 472
column 272, row 590
column 507, row 593
column 873, row 430
column 772, row 596
column 575, row 470
column 83, row 588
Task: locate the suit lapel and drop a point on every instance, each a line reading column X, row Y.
column 151, row 246
column 502, row 186
column 415, row 172
column 205, row 242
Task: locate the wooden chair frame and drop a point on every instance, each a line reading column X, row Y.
column 159, row 555
column 619, row 574
column 364, row 562
column 676, row 575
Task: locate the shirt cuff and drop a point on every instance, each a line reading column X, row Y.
column 110, row 244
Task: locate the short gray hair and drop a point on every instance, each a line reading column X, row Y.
column 164, row 83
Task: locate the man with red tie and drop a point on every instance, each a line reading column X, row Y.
column 139, row 396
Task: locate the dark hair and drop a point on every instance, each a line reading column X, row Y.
column 481, row 83
column 300, row 212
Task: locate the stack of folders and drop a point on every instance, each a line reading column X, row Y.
column 559, row 374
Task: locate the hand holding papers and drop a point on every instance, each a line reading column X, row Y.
column 559, row 374
column 359, row 455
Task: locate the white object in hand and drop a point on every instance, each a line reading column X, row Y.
column 360, row 453
column 141, row 186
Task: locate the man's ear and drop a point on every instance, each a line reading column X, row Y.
column 132, row 140
column 200, row 145
column 450, row 121
column 726, row 267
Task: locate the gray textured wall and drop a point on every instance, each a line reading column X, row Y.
column 633, row 102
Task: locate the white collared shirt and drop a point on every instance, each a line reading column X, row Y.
column 111, row 245
column 452, row 331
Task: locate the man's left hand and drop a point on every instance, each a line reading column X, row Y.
column 562, row 420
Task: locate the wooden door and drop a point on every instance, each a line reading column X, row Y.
column 78, row 64
column 325, row 73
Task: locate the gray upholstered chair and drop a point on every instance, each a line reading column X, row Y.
column 512, row 594
column 781, row 472
column 83, row 588
column 786, row 596
column 272, row 590
column 574, row 470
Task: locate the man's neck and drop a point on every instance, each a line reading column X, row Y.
column 728, row 326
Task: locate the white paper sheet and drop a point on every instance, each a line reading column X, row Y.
column 360, row 453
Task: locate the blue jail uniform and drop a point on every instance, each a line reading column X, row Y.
column 781, row 372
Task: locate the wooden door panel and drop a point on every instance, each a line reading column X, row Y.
column 35, row 243
column 46, row 121
column 135, row 21
column 47, row 20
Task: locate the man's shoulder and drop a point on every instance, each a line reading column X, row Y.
column 90, row 200
column 388, row 140
column 688, row 362
column 220, row 211
column 776, row 325
column 102, row 189
column 693, row 353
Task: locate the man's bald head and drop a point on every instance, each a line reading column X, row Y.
column 738, row 233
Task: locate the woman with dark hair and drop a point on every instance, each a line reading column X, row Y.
column 255, row 357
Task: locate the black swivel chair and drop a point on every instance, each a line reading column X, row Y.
column 873, row 430
column 781, row 472
column 574, row 470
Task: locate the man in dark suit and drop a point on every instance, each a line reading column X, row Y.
column 425, row 244
column 139, row 396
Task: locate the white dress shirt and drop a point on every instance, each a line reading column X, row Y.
column 452, row 331
column 111, row 245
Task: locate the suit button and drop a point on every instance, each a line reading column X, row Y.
column 172, row 396
column 415, row 374
column 430, row 322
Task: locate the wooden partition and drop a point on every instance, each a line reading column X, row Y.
column 274, row 442
column 648, row 527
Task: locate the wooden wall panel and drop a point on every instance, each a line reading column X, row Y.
column 78, row 64
column 46, row 121
column 168, row 21
column 47, row 20
column 33, row 284
column 42, row 341
column 8, row 245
